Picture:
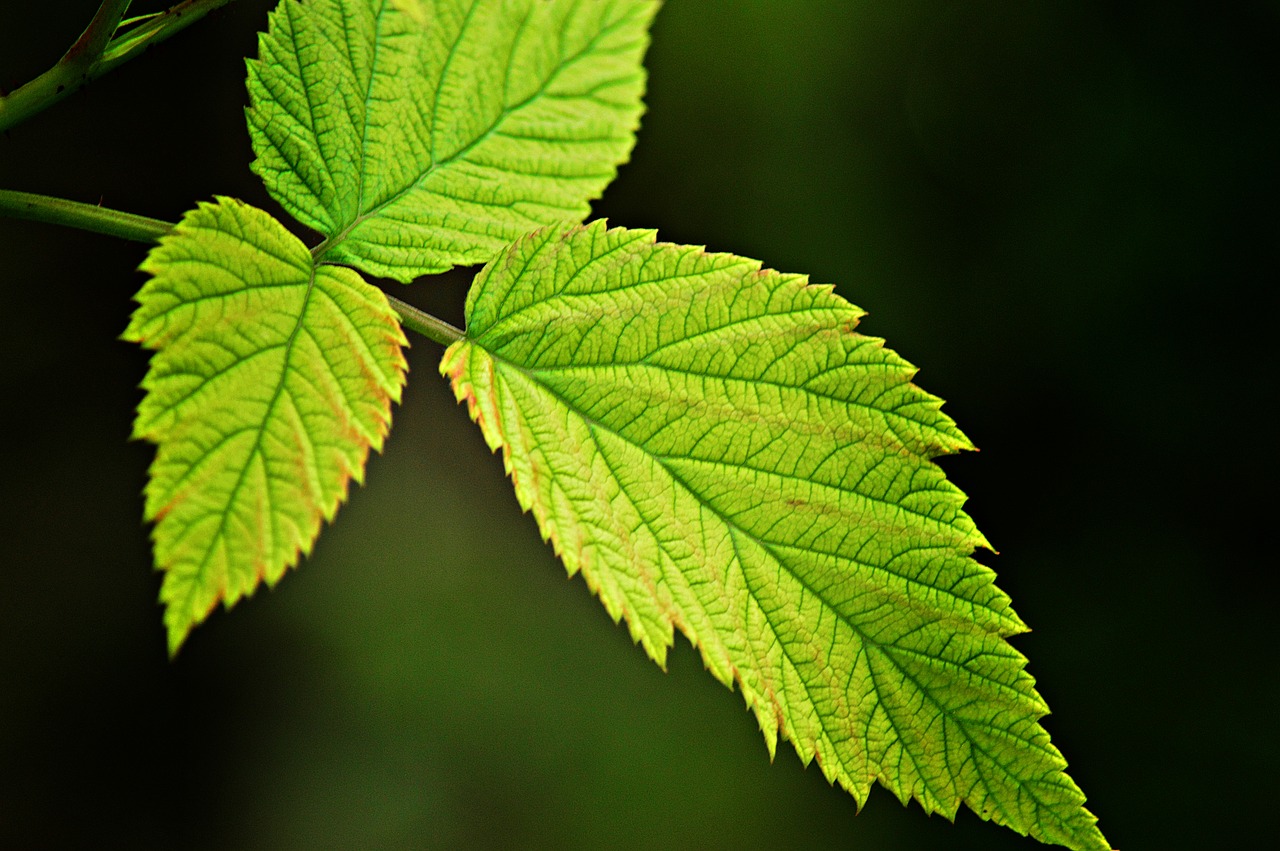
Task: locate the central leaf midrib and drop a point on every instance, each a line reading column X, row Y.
column 735, row 528
column 337, row 239
column 866, row 406
column 256, row 449
column 364, row 103
column 766, row 545
column 885, row 650
column 530, row 374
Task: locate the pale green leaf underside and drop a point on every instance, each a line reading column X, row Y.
column 416, row 135
column 271, row 380
column 716, row 450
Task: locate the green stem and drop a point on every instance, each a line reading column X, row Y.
column 59, row 211
column 98, row 50
column 98, row 34
column 156, row 29
column 431, row 327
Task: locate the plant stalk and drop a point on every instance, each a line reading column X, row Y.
column 98, row 50
column 431, row 327
column 59, row 211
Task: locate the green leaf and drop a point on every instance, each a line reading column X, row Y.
column 271, row 380
column 420, row 134
column 716, row 450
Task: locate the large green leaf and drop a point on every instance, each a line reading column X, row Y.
column 716, row 450
column 420, row 134
column 270, row 382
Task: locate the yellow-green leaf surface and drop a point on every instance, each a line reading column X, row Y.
column 717, row 450
column 420, row 134
column 271, row 380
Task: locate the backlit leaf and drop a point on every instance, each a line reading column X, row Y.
column 419, row 134
column 271, row 380
column 716, row 449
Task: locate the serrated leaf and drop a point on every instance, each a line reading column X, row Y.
column 270, row 382
column 717, row 450
column 420, row 134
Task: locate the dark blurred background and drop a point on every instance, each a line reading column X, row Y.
column 1064, row 213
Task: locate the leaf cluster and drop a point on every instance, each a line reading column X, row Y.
column 712, row 445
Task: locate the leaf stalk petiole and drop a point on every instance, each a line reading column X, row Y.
column 97, row 219
column 421, row 322
column 60, row 211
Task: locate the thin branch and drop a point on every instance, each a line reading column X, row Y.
column 431, row 327
column 59, row 211
column 129, row 44
column 97, row 51
column 95, row 38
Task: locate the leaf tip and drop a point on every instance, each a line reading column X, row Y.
column 176, row 637
column 179, row 621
